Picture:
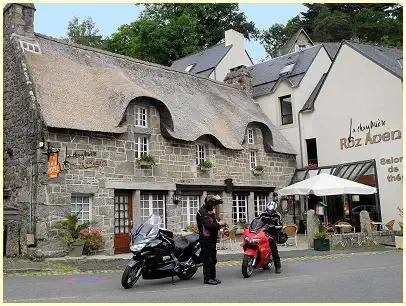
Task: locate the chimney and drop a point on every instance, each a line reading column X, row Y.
column 240, row 76
column 234, row 38
column 18, row 18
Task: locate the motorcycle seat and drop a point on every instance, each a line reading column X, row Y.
column 183, row 242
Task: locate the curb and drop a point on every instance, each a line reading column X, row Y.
column 222, row 262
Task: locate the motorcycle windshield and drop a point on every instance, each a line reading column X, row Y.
column 149, row 229
column 256, row 225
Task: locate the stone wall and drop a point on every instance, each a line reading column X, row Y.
column 23, row 127
column 175, row 163
column 358, row 239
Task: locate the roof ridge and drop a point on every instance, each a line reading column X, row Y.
column 285, row 55
column 371, row 45
column 202, row 50
column 132, row 59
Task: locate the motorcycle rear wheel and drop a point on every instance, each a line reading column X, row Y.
column 247, row 267
column 130, row 276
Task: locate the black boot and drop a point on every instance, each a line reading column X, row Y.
column 277, row 265
column 211, row 282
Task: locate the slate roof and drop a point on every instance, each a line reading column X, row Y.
column 387, row 58
column 390, row 59
column 83, row 88
column 266, row 75
column 204, row 61
column 332, row 48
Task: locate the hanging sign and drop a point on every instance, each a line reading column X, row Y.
column 53, row 166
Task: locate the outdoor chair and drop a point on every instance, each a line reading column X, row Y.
column 226, row 236
column 389, row 225
column 291, row 231
column 374, row 227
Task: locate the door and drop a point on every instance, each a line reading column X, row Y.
column 123, row 221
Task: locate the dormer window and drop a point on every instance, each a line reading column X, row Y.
column 250, row 136
column 287, row 69
column 188, row 68
column 141, row 116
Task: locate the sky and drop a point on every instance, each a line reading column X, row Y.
column 52, row 19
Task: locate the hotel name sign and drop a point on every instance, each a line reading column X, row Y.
column 370, row 137
column 393, row 163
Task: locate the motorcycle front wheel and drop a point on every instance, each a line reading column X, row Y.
column 247, row 267
column 130, row 276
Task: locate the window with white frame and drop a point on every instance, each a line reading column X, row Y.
column 200, row 154
column 239, row 208
column 189, row 206
column 259, row 204
column 141, row 116
column 253, row 160
column 250, row 136
column 80, row 205
column 141, row 146
column 152, row 204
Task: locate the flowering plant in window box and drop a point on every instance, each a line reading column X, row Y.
column 312, row 166
column 258, row 170
column 206, row 166
column 93, row 239
column 146, row 160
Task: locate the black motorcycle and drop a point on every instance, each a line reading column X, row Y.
column 158, row 255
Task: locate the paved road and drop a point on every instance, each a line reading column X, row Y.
column 357, row 278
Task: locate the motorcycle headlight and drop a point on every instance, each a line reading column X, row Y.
column 256, row 240
column 137, row 247
column 252, row 241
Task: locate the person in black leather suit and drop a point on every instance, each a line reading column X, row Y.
column 208, row 232
column 270, row 218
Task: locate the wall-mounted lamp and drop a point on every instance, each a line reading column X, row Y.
column 177, row 196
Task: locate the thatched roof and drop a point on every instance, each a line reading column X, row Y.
column 89, row 89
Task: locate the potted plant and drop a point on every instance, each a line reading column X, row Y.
column 206, row 165
column 321, row 243
column 71, row 230
column 146, row 160
column 399, row 238
column 258, row 170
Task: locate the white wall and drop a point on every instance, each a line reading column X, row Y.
column 236, row 56
column 359, row 89
column 271, row 106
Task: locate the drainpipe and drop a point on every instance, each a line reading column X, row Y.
column 300, row 139
column 31, row 177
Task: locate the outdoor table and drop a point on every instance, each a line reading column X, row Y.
column 341, row 226
column 379, row 225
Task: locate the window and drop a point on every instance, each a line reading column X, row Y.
column 287, row 69
column 311, row 151
column 259, row 204
column 188, row 68
column 200, row 154
column 301, row 47
column 239, row 209
column 250, row 136
column 253, row 160
column 141, row 148
column 152, row 204
column 141, row 116
column 121, row 218
column 80, row 204
column 189, row 206
column 286, row 110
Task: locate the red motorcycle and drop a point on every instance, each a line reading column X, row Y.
column 257, row 253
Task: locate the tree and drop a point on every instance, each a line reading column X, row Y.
column 84, row 33
column 212, row 19
column 166, row 32
column 380, row 23
column 155, row 40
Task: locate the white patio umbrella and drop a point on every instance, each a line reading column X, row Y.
column 325, row 185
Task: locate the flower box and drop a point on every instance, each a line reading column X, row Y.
column 257, row 172
column 144, row 163
column 321, row 244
